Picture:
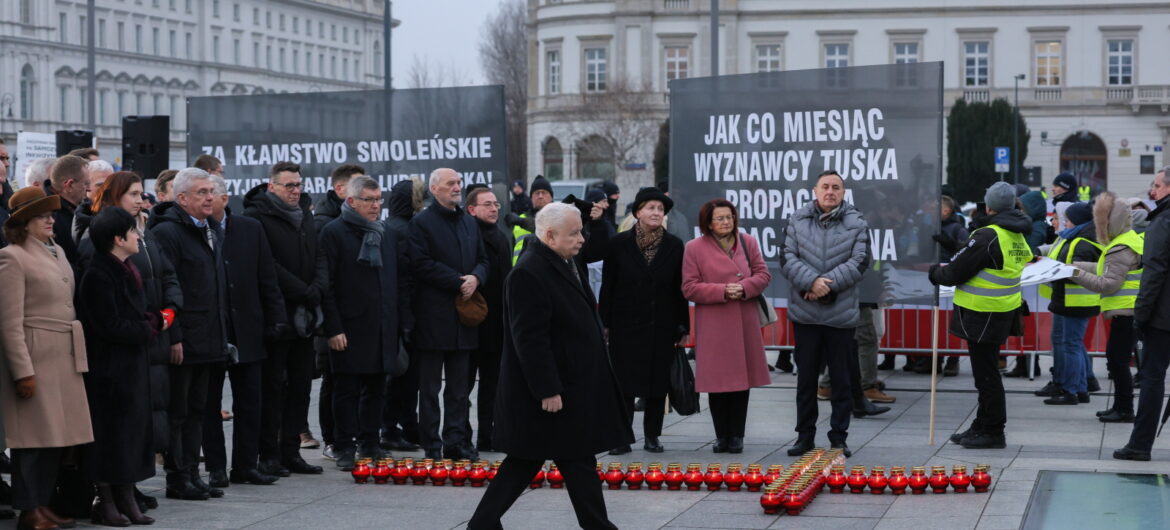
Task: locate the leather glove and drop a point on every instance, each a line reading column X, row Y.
column 27, row 387
column 946, row 242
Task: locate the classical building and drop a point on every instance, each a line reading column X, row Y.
column 153, row 54
column 1093, row 77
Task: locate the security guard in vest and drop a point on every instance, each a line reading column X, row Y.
column 1072, row 306
column 524, row 224
column 1117, row 277
column 988, row 297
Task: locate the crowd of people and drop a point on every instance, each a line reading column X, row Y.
column 125, row 314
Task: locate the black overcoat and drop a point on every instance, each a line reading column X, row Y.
column 117, row 337
column 643, row 307
column 445, row 245
column 553, row 344
column 370, row 305
column 498, row 246
column 257, row 308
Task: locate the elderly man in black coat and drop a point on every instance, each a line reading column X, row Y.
column 255, row 311
column 558, row 398
column 191, row 241
column 284, row 213
column 448, row 261
column 366, row 306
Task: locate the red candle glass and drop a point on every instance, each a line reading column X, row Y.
column 857, row 480
column 981, row 479
column 674, row 477
column 614, row 476
column 655, row 477
column 478, row 475
column 713, row 478
column 734, row 477
column 693, row 478
column 492, row 471
column 918, row 480
column 381, row 473
column 771, row 501
column 793, row 503
column 753, row 479
column 361, row 471
column 401, row 471
column 939, row 480
column 960, row 480
column 878, row 480
column 773, row 474
column 836, row 479
column 634, row 476
column 459, row 473
column 440, row 472
column 898, row 481
column 537, row 480
column 420, row 473
column 556, row 479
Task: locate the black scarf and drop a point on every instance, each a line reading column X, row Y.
column 371, row 252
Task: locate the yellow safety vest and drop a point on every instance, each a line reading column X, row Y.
column 998, row 290
column 518, row 235
column 1085, row 193
column 1074, row 295
column 1126, row 297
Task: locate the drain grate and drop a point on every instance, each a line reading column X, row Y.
column 1064, row 500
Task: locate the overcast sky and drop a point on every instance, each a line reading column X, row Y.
column 444, row 32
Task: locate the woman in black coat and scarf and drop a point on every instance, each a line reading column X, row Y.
column 644, row 311
column 119, row 330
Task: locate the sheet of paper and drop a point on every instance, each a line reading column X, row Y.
column 1043, row 271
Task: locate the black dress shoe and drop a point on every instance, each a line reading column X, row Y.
column 1105, row 412
column 298, row 465
column 620, row 450
column 218, row 479
column 800, row 448
column 1082, row 397
column 784, row 363
column 1065, row 398
column 1050, row 390
column 639, row 405
column 1094, row 386
column 957, row 438
column 346, row 459
column 197, row 481
column 375, row 453
column 272, row 467
column 146, row 502
column 1125, row 453
column 252, row 476
column 982, row 440
column 720, row 446
column 398, row 443
column 484, row 447
column 735, row 445
column 652, row 445
column 1116, row 417
column 182, row 489
column 869, row 409
column 434, row 454
column 887, row 362
column 844, row 448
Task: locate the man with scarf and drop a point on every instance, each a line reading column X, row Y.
column 367, row 306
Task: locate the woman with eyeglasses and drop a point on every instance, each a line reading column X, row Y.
column 723, row 273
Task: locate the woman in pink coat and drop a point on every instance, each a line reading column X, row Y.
column 723, row 273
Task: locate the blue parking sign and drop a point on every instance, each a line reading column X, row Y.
column 1002, row 159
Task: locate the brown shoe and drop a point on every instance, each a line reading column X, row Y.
column 61, row 521
column 35, row 520
column 877, row 396
column 308, row 442
column 824, row 393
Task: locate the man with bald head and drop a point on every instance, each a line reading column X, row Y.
column 449, row 262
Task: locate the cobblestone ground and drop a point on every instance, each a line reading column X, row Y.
column 1039, row 438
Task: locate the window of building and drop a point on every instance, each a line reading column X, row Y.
column 976, row 63
column 1120, row 62
column 187, row 6
column 296, row 61
column 138, row 38
column 906, row 53
column 155, row 41
column 281, row 19
column 554, row 159
column 256, row 54
column 139, row 103
column 344, row 68
column 296, row 24
column 236, row 12
column 121, row 35
column 63, row 103
column 215, row 48
column 308, row 63
column 236, row 51
column 63, row 27
column 333, row 66
column 101, row 35
column 268, row 56
column 321, row 65
column 268, row 19
column 26, row 11
column 1048, row 63
column 768, row 58
column 255, row 16
column 156, row 102
column 836, row 55
column 28, row 90
column 82, row 30
column 357, row 37
column 103, row 115
column 121, row 104
column 84, row 106
column 308, row 28
column 676, row 62
column 553, row 66
column 281, row 55
column 215, row 8
column 596, row 69
column 321, row 29
column 176, row 110
column 333, row 31
column 172, row 43
column 187, row 45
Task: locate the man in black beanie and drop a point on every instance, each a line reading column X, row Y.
column 524, row 224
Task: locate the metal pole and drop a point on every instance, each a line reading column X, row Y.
column 1016, row 135
column 714, row 37
column 91, row 77
column 933, row 368
column 387, row 24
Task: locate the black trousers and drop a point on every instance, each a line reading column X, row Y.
column 991, row 415
column 287, row 382
column 431, row 367
column 652, row 416
column 400, row 415
column 1118, row 352
column 246, row 380
column 34, row 476
column 1153, row 373
column 728, row 413
column 485, row 362
column 516, row 473
column 818, row 347
column 325, row 408
column 855, row 391
column 189, row 385
column 357, row 410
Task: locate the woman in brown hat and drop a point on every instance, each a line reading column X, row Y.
column 42, row 393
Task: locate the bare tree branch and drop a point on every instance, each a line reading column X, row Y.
column 424, row 73
column 503, row 54
column 626, row 115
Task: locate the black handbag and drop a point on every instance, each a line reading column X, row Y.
column 683, row 398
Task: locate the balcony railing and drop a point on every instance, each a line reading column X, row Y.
column 1119, row 94
column 1047, row 94
column 977, row 96
column 676, row 4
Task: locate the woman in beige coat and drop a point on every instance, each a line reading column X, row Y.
column 42, row 392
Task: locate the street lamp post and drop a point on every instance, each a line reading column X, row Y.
column 1016, row 131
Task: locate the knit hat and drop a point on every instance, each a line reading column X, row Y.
column 1021, row 189
column 610, row 188
column 1000, row 197
column 540, row 183
column 1079, row 213
column 595, row 195
column 652, row 194
column 1065, row 180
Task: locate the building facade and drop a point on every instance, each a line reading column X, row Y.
column 1093, row 77
column 153, row 54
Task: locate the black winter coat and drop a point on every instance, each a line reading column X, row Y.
column 400, row 208
column 326, row 209
column 257, row 308
column 300, row 270
column 370, row 305
column 118, row 334
column 5, row 194
column 982, row 252
column 553, row 345
column 498, row 246
column 202, row 320
column 1153, row 301
column 643, row 307
column 1084, row 252
column 63, row 229
column 82, row 216
column 445, row 245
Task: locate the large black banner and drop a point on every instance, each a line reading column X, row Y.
column 395, row 134
column 760, row 140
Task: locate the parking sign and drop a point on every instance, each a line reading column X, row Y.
column 1002, row 159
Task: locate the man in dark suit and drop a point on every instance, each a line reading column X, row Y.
column 68, row 178
column 366, row 305
column 558, row 397
column 448, row 261
column 256, row 310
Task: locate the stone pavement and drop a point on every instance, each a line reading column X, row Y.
column 1039, row 437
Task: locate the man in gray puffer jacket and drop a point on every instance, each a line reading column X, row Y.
column 825, row 254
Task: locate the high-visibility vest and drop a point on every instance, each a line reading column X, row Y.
column 1074, row 295
column 1126, row 297
column 1084, row 193
column 998, row 290
column 518, row 235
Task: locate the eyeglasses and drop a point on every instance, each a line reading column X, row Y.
column 725, row 219
column 368, row 200
column 5, row 158
column 489, row 204
column 200, row 193
column 292, row 185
